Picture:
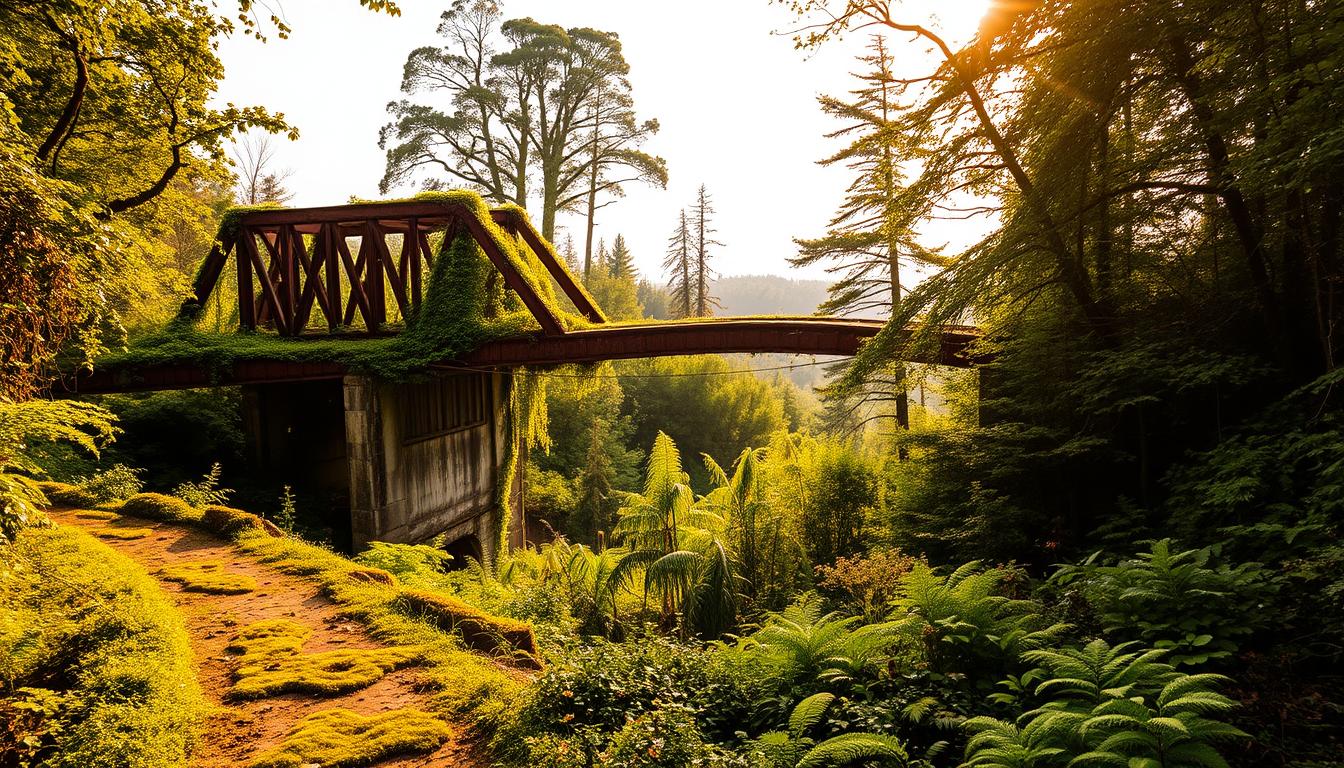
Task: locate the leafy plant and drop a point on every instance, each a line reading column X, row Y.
column 115, row 483
column 83, row 425
column 677, row 543
column 1183, row 601
column 1109, row 706
column 809, row 644
column 205, row 492
column 285, row 519
column 972, row 627
column 795, row 749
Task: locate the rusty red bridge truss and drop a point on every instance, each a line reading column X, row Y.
column 358, row 270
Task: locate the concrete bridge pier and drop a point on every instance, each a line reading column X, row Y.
column 410, row 461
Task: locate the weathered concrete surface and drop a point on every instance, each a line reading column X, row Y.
column 409, row 488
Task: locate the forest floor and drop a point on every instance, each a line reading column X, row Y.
column 237, row 732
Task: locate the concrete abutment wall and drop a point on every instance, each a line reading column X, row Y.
column 412, row 461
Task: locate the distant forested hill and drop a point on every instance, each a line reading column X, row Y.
column 768, row 295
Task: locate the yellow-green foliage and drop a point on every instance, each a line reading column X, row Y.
column 228, row 521
column 65, row 495
column 85, row 629
column 209, row 576
column 158, row 506
column 462, row 683
column 125, row 534
column 270, row 663
column 339, row 738
column 97, row 514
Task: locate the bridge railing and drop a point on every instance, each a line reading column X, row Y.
column 352, row 266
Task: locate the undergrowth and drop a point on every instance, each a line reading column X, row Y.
column 209, row 576
column 339, row 738
column 95, row 664
column 270, row 662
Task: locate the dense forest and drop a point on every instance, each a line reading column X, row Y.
column 1114, row 539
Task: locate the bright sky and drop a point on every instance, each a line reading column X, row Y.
column 736, row 102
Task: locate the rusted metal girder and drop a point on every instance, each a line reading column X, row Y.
column 799, row 336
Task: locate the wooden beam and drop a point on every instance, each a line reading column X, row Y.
column 550, row 324
column 268, row 291
column 558, row 271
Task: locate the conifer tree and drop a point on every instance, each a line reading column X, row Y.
column 679, row 264
column 872, row 231
column 702, row 212
column 621, row 262
column 592, row 513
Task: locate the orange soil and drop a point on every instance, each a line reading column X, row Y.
column 237, row 732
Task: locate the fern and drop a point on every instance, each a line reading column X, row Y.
column 1103, row 705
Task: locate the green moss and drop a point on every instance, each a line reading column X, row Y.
column 227, row 521
column 65, row 495
column 124, row 534
column 270, row 663
column 97, row 514
column 157, row 506
column 495, row 635
column 99, row 639
column 339, row 738
column 209, row 576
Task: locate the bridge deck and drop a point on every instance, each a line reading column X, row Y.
column 801, row 336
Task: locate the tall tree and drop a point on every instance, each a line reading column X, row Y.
column 259, row 181
column 519, row 98
column 873, row 230
column 702, row 218
column 621, row 262
column 481, row 140
column 614, row 158
column 680, row 265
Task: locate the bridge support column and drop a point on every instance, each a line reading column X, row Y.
column 425, row 459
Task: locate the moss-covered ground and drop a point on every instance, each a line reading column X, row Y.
column 209, row 576
column 95, row 661
column 126, row 533
column 270, row 662
column 339, row 738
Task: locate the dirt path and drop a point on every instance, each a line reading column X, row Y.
column 238, row 731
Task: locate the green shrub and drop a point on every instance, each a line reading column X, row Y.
column 1182, row 601
column 112, row 484
column 589, row 690
column 227, row 521
column 1103, row 705
column 157, row 506
column 666, row 737
column 95, row 654
column 206, row 491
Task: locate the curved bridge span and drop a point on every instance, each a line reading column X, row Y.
column 412, row 460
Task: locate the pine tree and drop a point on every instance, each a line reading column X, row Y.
column 621, row 261
column 872, row 231
column 678, row 263
column 570, row 255
column 702, row 212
